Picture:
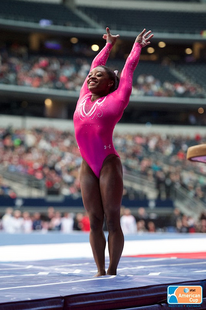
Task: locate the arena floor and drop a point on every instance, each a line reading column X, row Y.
column 56, row 271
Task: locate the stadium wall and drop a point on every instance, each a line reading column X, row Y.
column 45, row 1
column 146, row 5
column 30, row 122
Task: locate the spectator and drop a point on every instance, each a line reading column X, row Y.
column 141, row 227
column 128, row 222
column 27, row 222
column 182, row 225
column 151, row 227
column 175, row 218
column 84, row 223
column 202, row 226
column 7, row 221
column 67, row 223
column 142, row 214
column 17, row 222
column 56, row 222
column 37, row 222
column 78, row 222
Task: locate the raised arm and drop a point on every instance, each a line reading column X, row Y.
column 126, row 78
column 102, row 56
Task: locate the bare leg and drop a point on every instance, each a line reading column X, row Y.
column 111, row 186
column 93, row 204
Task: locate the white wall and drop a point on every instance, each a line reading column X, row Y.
column 29, row 122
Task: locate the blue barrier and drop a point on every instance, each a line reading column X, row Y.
column 62, row 201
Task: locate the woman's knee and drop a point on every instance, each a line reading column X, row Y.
column 96, row 223
column 113, row 221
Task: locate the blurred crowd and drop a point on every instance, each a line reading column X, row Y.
column 148, row 85
column 17, row 221
column 18, row 68
column 150, row 222
column 51, row 157
column 48, row 155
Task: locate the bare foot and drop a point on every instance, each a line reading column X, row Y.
column 100, row 274
column 111, row 272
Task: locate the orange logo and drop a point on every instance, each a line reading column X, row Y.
column 184, row 295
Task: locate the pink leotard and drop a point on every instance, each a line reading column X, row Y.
column 94, row 128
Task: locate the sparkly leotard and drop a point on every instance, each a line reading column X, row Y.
column 94, row 128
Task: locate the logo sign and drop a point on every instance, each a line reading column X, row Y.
column 187, row 295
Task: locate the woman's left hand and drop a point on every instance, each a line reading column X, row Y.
column 144, row 38
column 110, row 38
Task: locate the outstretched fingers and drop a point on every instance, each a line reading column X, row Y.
column 144, row 37
column 148, row 35
column 107, row 30
column 110, row 37
column 105, row 35
column 143, row 32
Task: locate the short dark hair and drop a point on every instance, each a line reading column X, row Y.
column 113, row 76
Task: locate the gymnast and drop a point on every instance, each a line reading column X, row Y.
column 103, row 98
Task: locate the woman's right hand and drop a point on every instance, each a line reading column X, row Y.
column 144, row 37
column 110, row 38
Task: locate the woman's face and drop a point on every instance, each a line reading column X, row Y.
column 98, row 81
